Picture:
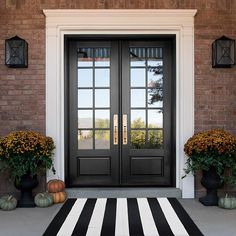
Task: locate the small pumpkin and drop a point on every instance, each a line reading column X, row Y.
column 8, row 203
column 59, row 197
column 3, row 199
column 55, row 186
column 43, row 199
column 227, row 202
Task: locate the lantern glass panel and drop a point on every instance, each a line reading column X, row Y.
column 16, row 53
column 223, row 52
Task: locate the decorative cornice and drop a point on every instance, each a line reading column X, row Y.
column 116, row 18
column 120, row 13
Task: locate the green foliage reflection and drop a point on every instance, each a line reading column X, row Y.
column 138, row 137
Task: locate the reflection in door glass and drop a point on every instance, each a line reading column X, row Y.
column 155, row 84
column 102, row 139
column 85, row 139
column 137, row 57
column 146, row 121
column 155, row 118
column 138, row 119
column 102, row 119
column 93, row 98
column 155, row 139
column 85, row 57
column 102, row 97
column 102, row 77
column 153, row 62
column 102, row 57
column 85, row 77
column 85, row 119
column 138, row 138
column 155, row 80
column 85, row 98
column 154, row 56
column 137, row 77
column 138, row 98
column 155, row 97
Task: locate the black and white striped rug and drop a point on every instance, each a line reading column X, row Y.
column 122, row 217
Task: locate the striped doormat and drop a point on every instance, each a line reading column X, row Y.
column 122, row 217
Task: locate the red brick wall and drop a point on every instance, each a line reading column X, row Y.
column 22, row 91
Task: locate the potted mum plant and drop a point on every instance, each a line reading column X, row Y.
column 213, row 152
column 26, row 154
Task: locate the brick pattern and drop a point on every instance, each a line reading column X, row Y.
column 22, row 91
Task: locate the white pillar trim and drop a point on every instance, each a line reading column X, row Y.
column 107, row 22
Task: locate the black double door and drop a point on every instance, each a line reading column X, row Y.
column 120, row 111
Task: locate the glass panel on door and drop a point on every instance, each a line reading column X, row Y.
column 93, row 98
column 146, row 97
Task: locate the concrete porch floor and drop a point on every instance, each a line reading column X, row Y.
column 34, row 221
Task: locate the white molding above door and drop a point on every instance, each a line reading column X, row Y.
column 113, row 22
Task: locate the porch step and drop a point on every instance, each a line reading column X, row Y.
column 123, row 192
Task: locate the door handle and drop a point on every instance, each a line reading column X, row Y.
column 115, row 129
column 124, row 129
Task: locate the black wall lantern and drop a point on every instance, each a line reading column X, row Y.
column 223, row 53
column 16, row 52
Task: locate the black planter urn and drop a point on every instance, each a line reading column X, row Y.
column 211, row 181
column 26, row 184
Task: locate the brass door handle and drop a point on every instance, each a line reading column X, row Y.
column 124, row 129
column 115, row 129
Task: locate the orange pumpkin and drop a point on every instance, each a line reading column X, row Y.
column 59, row 197
column 55, row 185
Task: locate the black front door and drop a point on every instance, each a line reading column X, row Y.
column 120, row 113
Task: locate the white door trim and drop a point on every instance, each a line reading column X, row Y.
column 107, row 22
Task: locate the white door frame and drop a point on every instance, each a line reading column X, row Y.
column 109, row 22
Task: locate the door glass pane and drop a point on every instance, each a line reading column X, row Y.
column 138, row 118
column 138, row 77
column 155, row 118
column 85, row 98
column 85, row 57
column 137, row 57
column 138, row 139
column 154, row 62
column 102, row 57
column 102, row 118
column 85, row 77
column 155, row 139
column 146, row 71
column 85, row 119
column 154, row 56
column 138, row 98
column 102, row 139
column 93, row 72
column 102, row 97
column 85, row 139
column 155, row 97
column 155, row 80
column 102, row 77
